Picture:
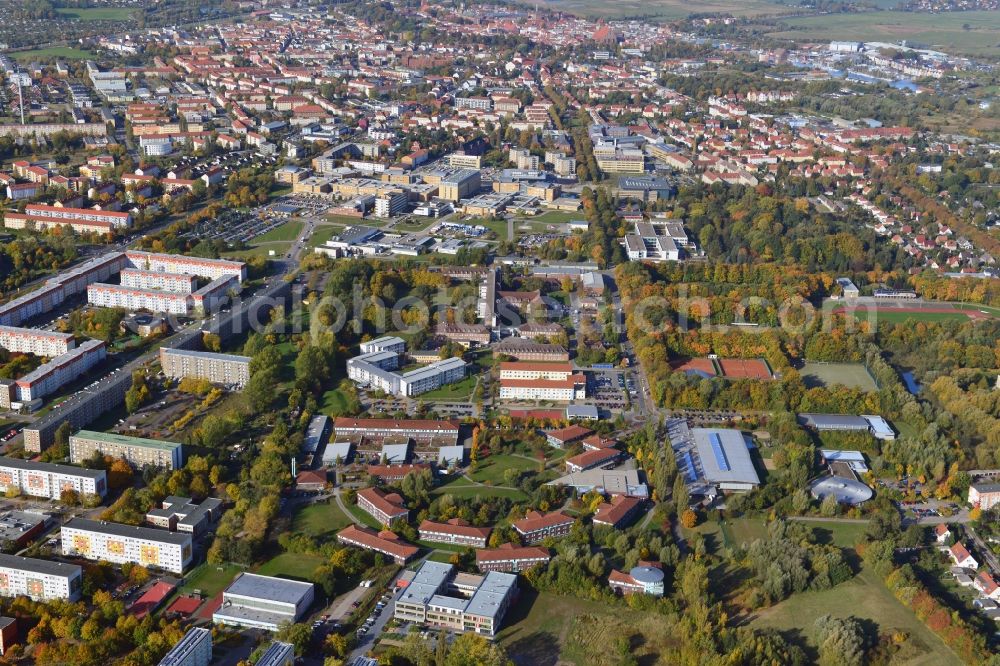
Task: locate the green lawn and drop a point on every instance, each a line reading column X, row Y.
column 210, row 579
column 291, row 565
column 458, row 391
column 462, row 488
column 322, row 234
column 865, row 597
column 320, row 519
column 363, row 517
column 544, row 628
column 491, row 469
column 288, row 231
column 903, row 317
column 97, row 13
column 335, row 403
column 556, row 217
column 849, row 374
column 66, row 52
column 938, row 30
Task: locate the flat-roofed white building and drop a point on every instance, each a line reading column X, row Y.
column 181, row 283
column 40, row 580
column 117, row 543
column 175, row 263
column 132, row 298
column 49, row 480
column 264, row 602
column 63, row 369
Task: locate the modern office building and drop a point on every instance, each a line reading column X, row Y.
column 40, row 580
column 642, row 579
column 117, row 543
column 195, row 649
column 377, row 369
column 138, row 451
column 228, row 369
column 39, row 479
column 438, row 596
column 535, row 370
column 264, row 602
column 386, row 343
column 460, row 185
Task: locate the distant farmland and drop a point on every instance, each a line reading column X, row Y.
column 664, row 9
column 945, row 31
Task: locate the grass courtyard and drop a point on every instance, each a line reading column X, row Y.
column 288, row 231
column 291, row 565
column 490, row 470
column 320, row 519
column 457, row 392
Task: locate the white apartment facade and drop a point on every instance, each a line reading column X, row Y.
column 40, row 580
column 48, row 480
column 37, row 342
column 117, row 543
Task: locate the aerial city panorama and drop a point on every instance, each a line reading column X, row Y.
column 499, row 332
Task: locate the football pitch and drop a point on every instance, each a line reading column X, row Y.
column 854, row 375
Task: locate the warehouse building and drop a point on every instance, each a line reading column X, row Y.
column 117, row 543
column 138, row 451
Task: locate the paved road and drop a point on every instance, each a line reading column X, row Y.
column 367, row 641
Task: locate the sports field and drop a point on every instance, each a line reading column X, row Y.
column 969, row 33
column 64, row 52
column 897, row 312
column 854, row 375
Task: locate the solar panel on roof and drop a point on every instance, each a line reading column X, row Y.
column 689, row 472
column 720, row 454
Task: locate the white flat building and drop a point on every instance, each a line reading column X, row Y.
column 195, row 649
column 132, row 298
column 264, row 602
column 41, row 580
column 117, row 543
column 48, row 480
column 33, row 341
column 181, row 283
column 63, row 369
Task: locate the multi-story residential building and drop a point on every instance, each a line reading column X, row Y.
column 34, row 341
column 83, row 219
column 387, row 543
column 556, row 390
column 175, row 263
column 511, row 558
column 476, row 103
column 180, row 283
column 523, row 159
column 41, row 580
column 39, row 479
column 264, row 602
column 984, row 495
column 217, row 368
column 384, row 344
column 376, row 369
column 277, row 654
column 138, row 451
column 464, row 161
column 438, row 597
column 131, row 298
column 63, row 369
column 117, row 543
column 536, row 527
column 384, row 507
column 455, row 531
column 195, row 649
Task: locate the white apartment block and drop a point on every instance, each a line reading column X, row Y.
column 217, row 368
column 40, row 212
column 117, row 543
column 181, row 283
column 40, row 580
column 386, row 343
column 131, row 298
column 48, row 480
column 50, row 377
column 174, row 263
column 556, row 390
column 32, row 341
